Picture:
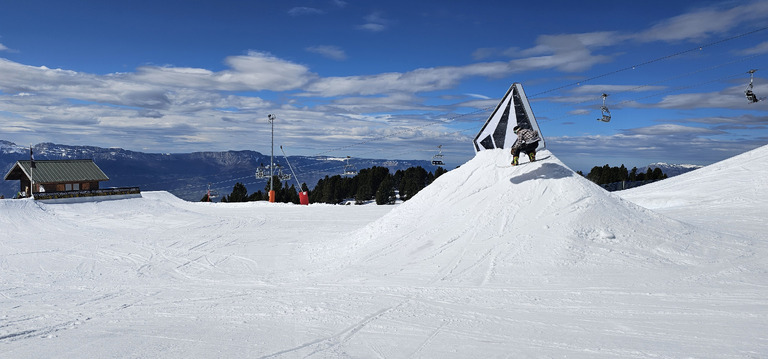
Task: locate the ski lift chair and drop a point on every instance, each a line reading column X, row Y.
column 751, row 97
column 283, row 176
column 261, row 172
column 349, row 169
column 437, row 160
column 605, row 112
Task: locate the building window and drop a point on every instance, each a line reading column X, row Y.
column 68, row 187
column 76, row 186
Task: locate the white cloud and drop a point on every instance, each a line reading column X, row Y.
column 331, row 52
column 302, row 10
column 373, row 27
column 732, row 122
column 612, row 89
column 474, row 95
column 484, row 53
column 3, row 47
column 556, row 44
column 375, row 22
column 673, row 130
column 261, row 71
column 419, row 80
column 566, row 52
column 580, row 112
column 729, row 98
column 155, row 105
column 255, row 71
column 702, row 23
column 761, row 48
column 339, row 3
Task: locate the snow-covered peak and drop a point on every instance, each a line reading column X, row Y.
column 10, row 147
column 670, row 170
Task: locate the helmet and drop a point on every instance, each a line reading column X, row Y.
column 517, row 128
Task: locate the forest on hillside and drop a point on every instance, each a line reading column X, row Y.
column 370, row 184
column 379, row 185
column 617, row 178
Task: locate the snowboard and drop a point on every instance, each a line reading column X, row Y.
column 537, row 160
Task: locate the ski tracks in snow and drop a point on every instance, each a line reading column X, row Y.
column 338, row 339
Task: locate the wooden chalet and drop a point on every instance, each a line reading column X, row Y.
column 51, row 179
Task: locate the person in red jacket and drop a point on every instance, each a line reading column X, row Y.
column 527, row 142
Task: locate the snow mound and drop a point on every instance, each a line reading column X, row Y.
column 729, row 195
column 489, row 223
column 740, row 177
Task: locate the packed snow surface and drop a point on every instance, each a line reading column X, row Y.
column 488, row 261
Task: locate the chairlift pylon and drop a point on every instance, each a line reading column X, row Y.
column 349, row 169
column 437, row 160
column 751, row 97
column 605, row 112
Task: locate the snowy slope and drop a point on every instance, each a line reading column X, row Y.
column 488, row 261
column 485, row 224
column 728, row 196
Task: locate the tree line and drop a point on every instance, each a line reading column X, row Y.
column 375, row 183
column 607, row 174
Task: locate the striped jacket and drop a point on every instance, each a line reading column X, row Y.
column 525, row 136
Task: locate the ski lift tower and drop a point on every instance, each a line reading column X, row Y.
column 271, row 119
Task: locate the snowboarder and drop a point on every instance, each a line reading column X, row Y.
column 527, row 142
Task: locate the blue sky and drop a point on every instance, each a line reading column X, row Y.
column 390, row 79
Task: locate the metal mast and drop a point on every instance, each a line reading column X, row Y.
column 271, row 119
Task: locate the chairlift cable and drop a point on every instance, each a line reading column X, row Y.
column 697, row 48
column 687, row 74
column 662, row 58
column 666, row 91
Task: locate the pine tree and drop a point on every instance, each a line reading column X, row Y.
column 658, row 174
column 257, row 196
column 633, row 174
column 239, row 193
column 317, row 194
column 385, row 194
column 364, row 193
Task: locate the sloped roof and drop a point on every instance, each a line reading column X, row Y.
column 57, row 171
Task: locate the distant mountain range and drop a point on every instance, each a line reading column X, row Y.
column 669, row 169
column 188, row 175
